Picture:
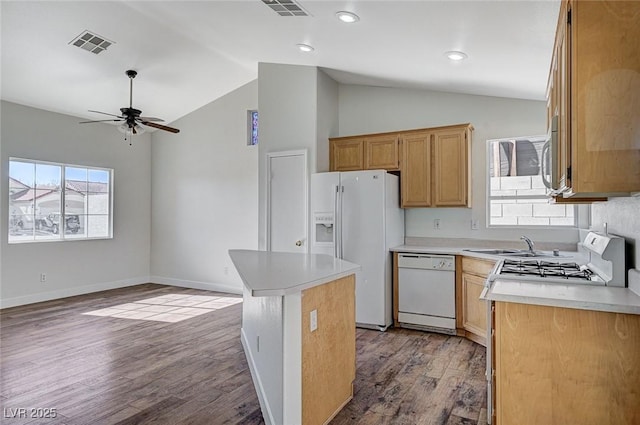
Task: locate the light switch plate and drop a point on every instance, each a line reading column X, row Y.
column 313, row 319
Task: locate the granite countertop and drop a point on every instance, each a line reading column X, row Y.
column 267, row 273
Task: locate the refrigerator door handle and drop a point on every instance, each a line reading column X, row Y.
column 340, row 216
column 336, row 226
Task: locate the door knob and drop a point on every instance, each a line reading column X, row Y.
column 298, row 243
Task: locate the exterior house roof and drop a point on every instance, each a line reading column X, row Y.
column 24, row 193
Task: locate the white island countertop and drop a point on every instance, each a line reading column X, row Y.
column 585, row 297
column 267, row 273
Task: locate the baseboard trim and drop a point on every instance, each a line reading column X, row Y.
column 70, row 292
column 207, row 286
column 257, row 382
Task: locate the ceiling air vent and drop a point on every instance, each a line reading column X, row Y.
column 286, row 7
column 91, row 42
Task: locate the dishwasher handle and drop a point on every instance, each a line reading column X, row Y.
column 426, row 261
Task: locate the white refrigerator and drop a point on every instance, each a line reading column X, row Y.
column 356, row 216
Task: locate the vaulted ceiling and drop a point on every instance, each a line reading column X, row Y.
column 188, row 53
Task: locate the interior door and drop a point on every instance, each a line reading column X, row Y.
column 287, row 201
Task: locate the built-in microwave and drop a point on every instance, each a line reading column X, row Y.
column 550, row 158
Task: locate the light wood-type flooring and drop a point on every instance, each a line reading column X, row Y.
column 118, row 370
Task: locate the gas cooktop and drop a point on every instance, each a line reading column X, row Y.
column 548, row 271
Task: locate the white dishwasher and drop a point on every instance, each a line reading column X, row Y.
column 427, row 292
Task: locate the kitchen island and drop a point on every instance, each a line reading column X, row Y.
column 298, row 333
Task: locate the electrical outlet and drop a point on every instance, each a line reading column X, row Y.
column 436, row 224
column 43, row 277
column 258, row 343
column 475, row 224
column 313, row 319
column 226, row 270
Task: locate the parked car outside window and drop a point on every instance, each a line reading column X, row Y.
column 52, row 223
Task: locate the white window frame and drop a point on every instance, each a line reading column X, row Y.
column 61, row 234
column 580, row 215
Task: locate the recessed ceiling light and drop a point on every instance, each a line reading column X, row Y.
column 347, row 17
column 305, row 47
column 455, row 55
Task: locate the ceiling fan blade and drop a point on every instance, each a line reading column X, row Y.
column 106, row 113
column 151, row 119
column 161, row 127
column 87, row 122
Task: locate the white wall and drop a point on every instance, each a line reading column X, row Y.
column 622, row 216
column 205, row 194
column 327, row 118
column 76, row 267
column 287, row 104
column 364, row 109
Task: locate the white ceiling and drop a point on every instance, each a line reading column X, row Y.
column 190, row 53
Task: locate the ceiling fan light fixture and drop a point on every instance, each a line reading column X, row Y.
column 305, row 47
column 131, row 129
column 347, row 17
column 456, row 55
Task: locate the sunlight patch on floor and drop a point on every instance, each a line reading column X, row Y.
column 167, row 308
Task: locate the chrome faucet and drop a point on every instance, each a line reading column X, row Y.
column 529, row 242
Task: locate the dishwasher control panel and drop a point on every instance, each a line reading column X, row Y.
column 427, row 261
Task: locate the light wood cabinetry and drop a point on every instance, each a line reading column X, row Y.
column 416, row 170
column 346, row 154
column 451, row 167
column 381, row 152
column 371, row 152
column 434, row 163
column 471, row 313
column 560, row 366
column 594, row 89
column 436, row 167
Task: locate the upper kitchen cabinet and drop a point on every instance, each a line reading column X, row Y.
column 416, row 169
column 436, row 167
column 451, row 167
column 594, row 93
column 372, row 152
column 381, row 152
column 346, row 154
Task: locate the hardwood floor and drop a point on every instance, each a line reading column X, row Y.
column 111, row 370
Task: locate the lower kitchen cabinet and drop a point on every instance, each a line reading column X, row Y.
column 472, row 311
column 558, row 366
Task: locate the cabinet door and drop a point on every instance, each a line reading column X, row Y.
column 561, row 366
column 605, row 96
column 474, row 310
column 346, row 155
column 416, row 170
column 563, row 99
column 381, row 153
column 451, row 168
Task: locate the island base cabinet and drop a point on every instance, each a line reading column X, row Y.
column 329, row 352
column 558, row 366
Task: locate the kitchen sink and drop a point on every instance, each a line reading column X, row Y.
column 495, row 251
column 513, row 253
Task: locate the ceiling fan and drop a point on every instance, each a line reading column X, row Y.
column 132, row 122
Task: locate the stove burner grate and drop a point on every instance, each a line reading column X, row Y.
column 545, row 269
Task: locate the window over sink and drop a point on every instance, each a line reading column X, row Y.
column 516, row 194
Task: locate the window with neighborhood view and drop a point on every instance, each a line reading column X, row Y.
column 517, row 195
column 49, row 201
